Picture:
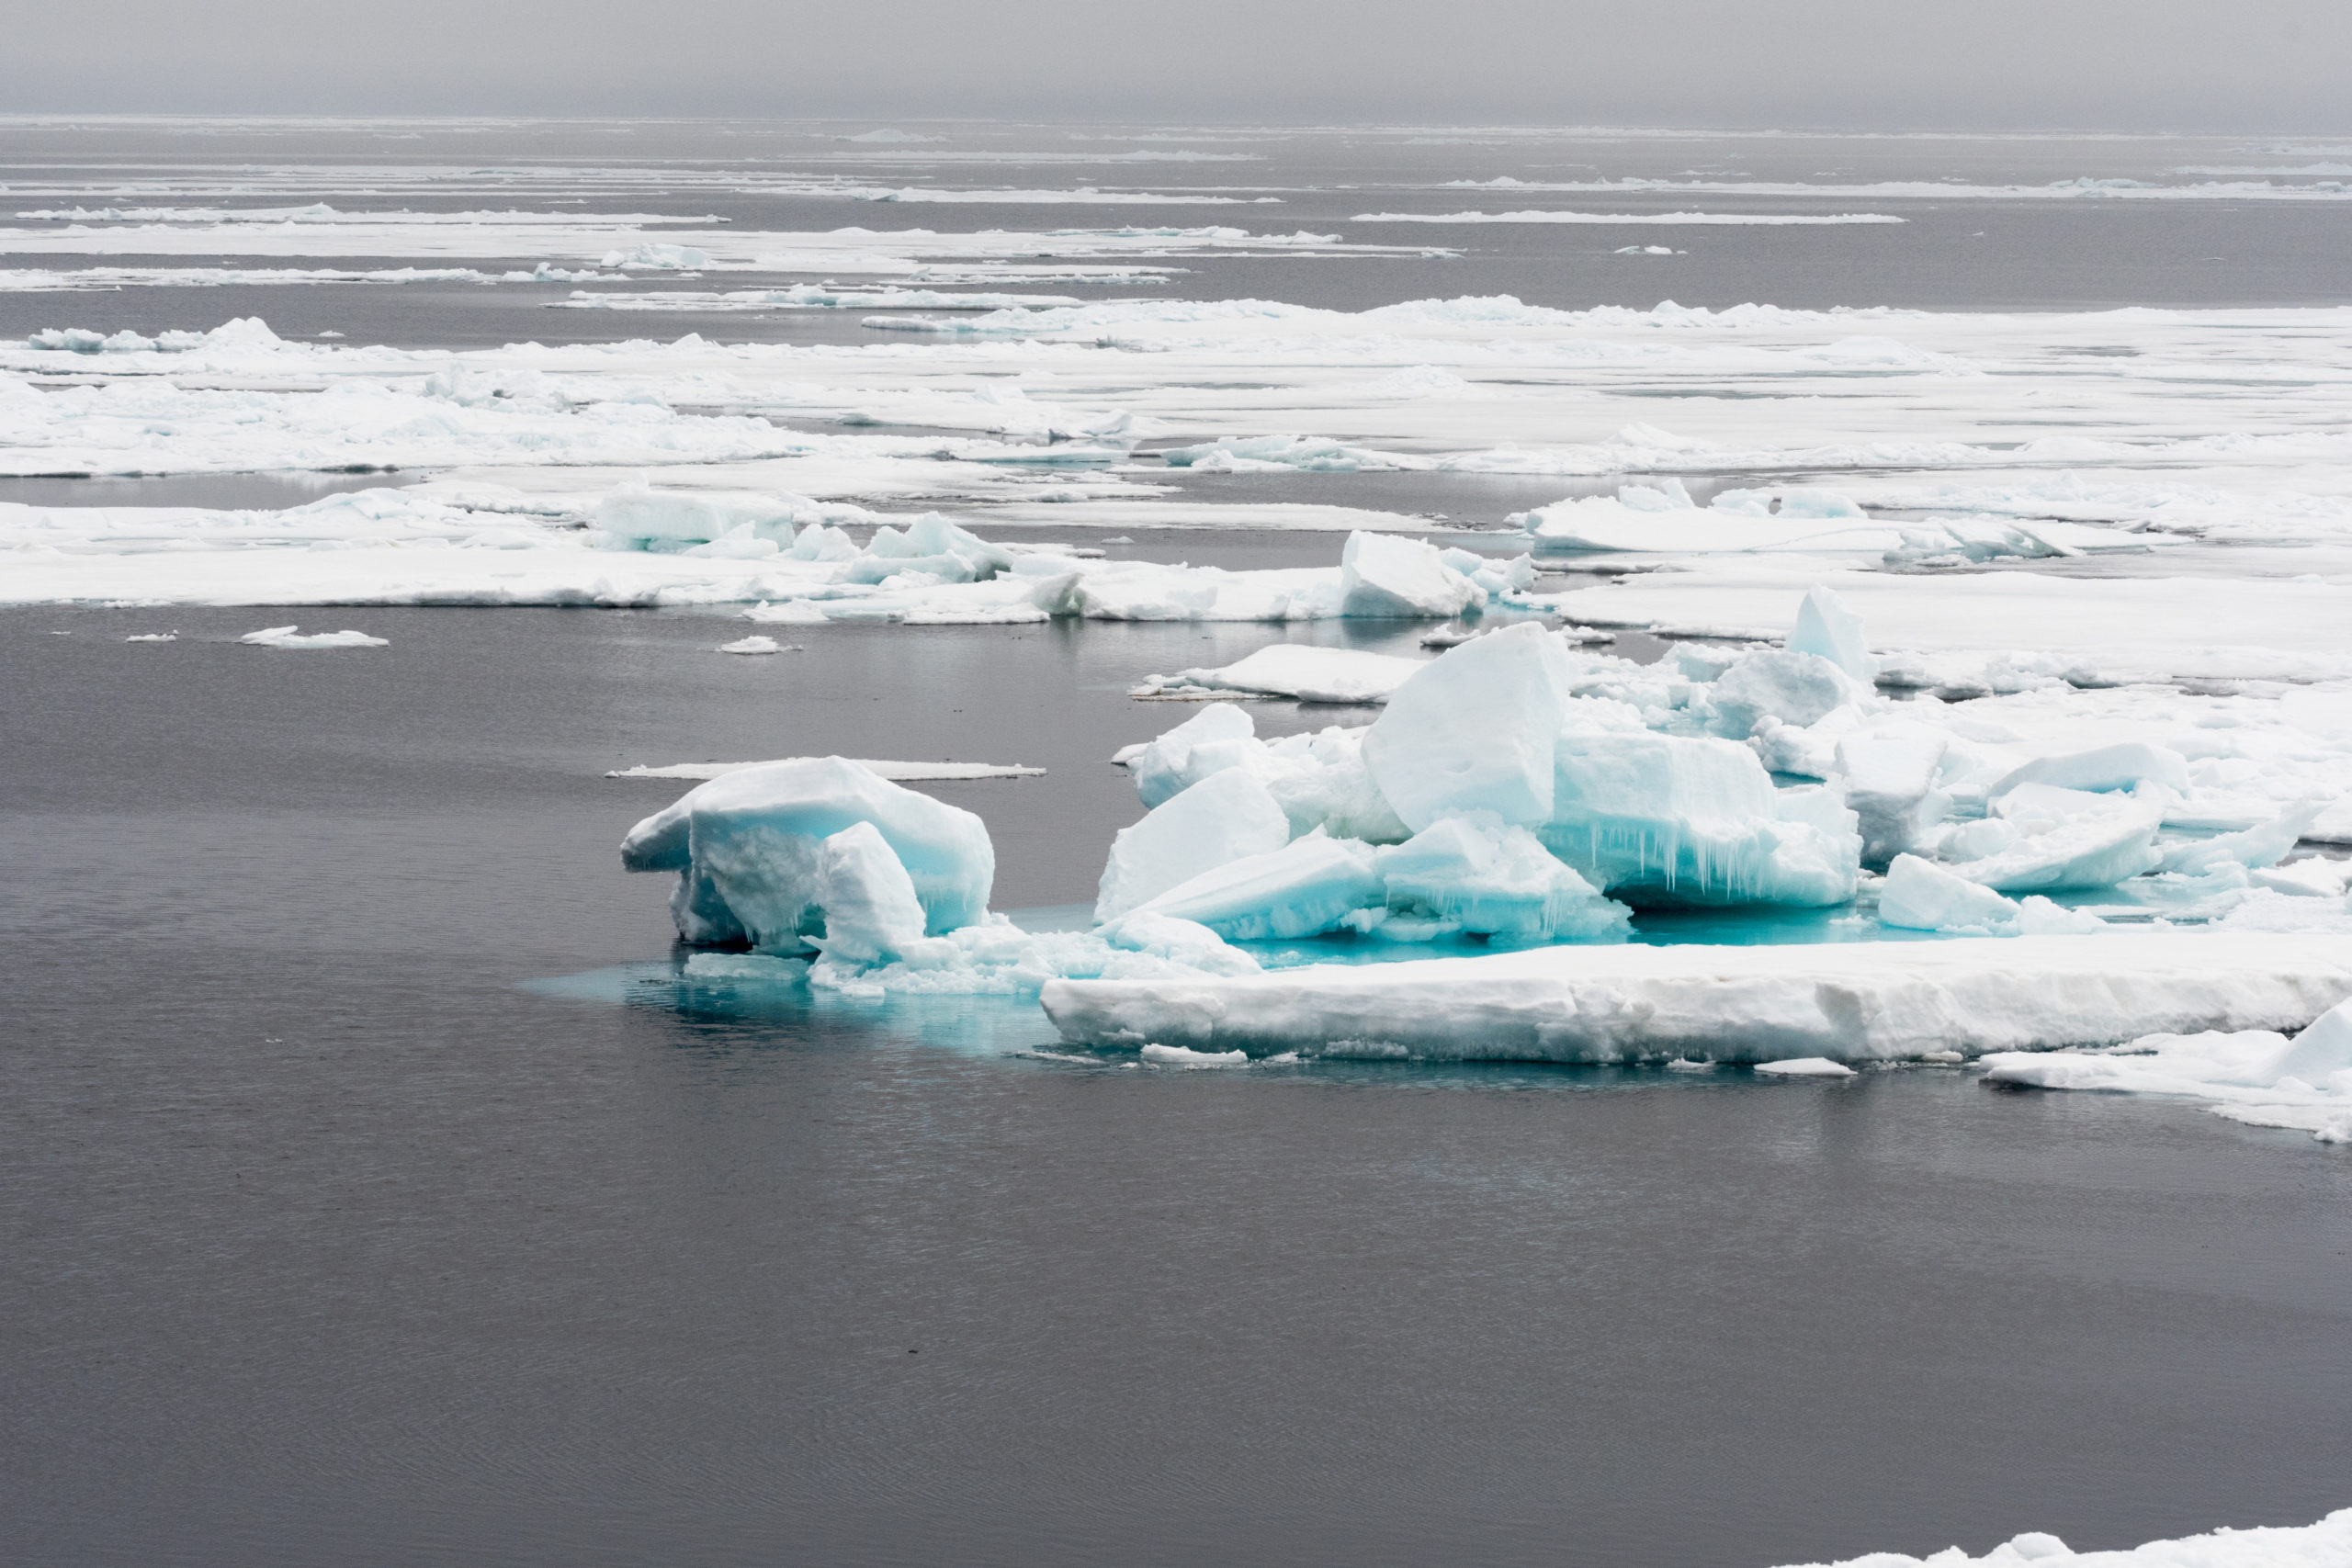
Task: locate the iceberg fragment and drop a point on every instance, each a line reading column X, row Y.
column 1473, row 730
column 1826, row 627
column 1220, row 736
column 2120, row 766
column 1484, row 877
column 1890, row 779
column 2263, row 845
column 1226, row 817
column 748, row 847
column 296, row 639
column 1386, row 577
column 2045, row 837
column 1306, row 887
column 1671, row 820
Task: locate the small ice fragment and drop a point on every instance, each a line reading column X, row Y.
column 292, row 637
column 155, row 637
column 1805, row 1067
column 1183, row 1056
column 752, row 645
column 1685, row 1065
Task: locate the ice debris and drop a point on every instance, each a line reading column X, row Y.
column 2321, row 1545
column 294, row 638
column 885, row 890
column 2255, row 1076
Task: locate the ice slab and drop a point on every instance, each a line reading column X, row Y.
column 294, row 638
column 1848, row 1003
column 2321, row 1545
column 1294, row 669
column 897, row 773
column 1226, row 817
column 2256, row 1075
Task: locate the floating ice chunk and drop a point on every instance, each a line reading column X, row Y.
column 2323, row 1545
column 1220, row 736
column 1670, row 819
column 746, row 847
column 751, row 645
column 866, row 898
column 294, row 638
column 1921, row 896
column 1473, row 730
column 1306, row 887
column 2066, row 838
column 2264, row 845
column 1481, row 875
column 1667, row 494
column 657, row 257
column 2312, row 878
column 1804, row 1067
column 1295, row 670
column 1385, row 576
column 1788, row 684
column 1825, row 626
column 2120, row 766
column 2254, row 1075
column 635, row 516
column 153, row 637
column 1178, row 1057
column 1890, row 780
column 1186, row 943
column 1847, row 1001
column 1226, row 817
column 897, row 773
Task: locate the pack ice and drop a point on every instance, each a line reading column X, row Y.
column 882, row 889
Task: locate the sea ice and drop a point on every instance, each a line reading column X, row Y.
column 1473, row 730
column 1847, row 1001
column 2255, row 1076
column 751, row 645
column 1295, row 670
column 1804, row 1067
column 748, row 851
column 1307, row 886
column 2323, row 1545
column 1226, row 817
column 1383, row 576
column 294, row 638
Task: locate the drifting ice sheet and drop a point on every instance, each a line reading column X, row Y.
column 1847, row 1003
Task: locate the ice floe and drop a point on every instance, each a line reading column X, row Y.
column 897, row 773
column 2256, row 1075
column 1848, row 1002
column 293, row 637
column 2319, row 1545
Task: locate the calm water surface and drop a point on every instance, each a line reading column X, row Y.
column 329, row 1238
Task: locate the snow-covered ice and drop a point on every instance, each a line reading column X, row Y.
column 897, row 773
column 2256, row 1075
column 293, row 636
column 1848, row 1002
column 2321, row 1545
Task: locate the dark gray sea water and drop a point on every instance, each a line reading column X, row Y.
column 329, row 1238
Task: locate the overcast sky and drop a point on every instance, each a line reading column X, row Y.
column 2127, row 64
